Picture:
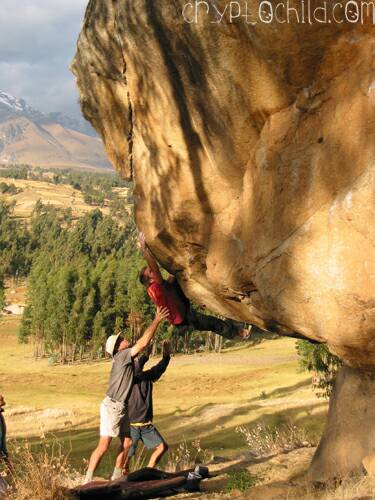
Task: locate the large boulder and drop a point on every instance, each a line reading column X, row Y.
column 251, row 147
column 348, row 442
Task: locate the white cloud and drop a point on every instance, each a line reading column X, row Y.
column 37, row 43
column 45, row 90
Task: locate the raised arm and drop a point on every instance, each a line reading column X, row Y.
column 154, row 373
column 143, row 342
column 150, row 259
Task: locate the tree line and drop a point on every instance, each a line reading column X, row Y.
column 82, row 279
column 83, row 286
column 82, row 282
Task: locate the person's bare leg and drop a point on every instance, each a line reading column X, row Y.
column 96, row 456
column 122, row 458
column 157, row 454
column 126, row 467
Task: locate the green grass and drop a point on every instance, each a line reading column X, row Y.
column 240, row 480
column 203, row 396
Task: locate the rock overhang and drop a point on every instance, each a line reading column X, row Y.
column 252, row 154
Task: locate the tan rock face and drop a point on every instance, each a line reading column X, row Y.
column 369, row 464
column 252, row 152
column 348, row 442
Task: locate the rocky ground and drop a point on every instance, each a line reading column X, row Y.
column 278, row 477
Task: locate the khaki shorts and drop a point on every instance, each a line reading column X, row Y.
column 114, row 421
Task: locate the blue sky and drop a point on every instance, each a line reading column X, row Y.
column 37, row 44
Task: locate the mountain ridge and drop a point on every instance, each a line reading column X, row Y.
column 11, row 106
column 54, row 139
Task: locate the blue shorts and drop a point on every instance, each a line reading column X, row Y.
column 148, row 434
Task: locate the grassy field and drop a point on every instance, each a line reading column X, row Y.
column 203, row 396
column 60, row 196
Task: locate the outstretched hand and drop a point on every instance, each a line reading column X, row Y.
column 162, row 313
column 142, row 241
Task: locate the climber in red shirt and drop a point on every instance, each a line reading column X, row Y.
column 168, row 293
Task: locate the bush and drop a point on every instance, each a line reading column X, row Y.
column 8, row 188
column 185, row 457
column 43, row 474
column 317, row 359
column 264, row 440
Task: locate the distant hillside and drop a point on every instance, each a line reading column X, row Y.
column 79, row 190
column 47, row 140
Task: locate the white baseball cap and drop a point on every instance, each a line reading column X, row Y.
column 111, row 343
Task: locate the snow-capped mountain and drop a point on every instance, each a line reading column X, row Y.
column 46, row 139
column 12, row 106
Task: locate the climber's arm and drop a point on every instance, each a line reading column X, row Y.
column 150, row 259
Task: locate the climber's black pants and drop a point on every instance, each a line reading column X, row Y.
column 205, row 323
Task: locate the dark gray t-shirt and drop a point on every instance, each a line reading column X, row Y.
column 121, row 379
